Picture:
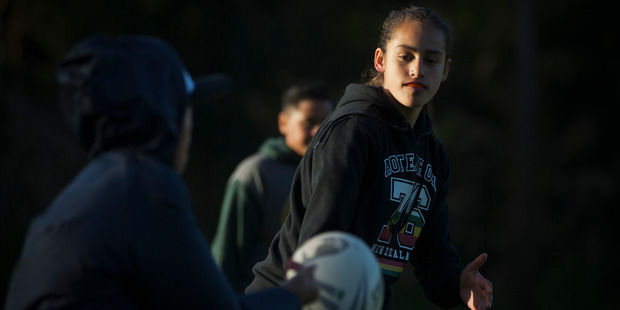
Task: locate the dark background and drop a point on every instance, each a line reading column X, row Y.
column 526, row 116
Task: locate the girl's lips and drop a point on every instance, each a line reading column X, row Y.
column 415, row 85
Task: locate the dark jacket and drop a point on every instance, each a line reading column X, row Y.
column 122, row 234
column 252, row 208
column 369, row 172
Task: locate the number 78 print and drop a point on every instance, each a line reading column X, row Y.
column 407, row 221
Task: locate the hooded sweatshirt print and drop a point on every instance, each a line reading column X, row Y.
column 370, row 173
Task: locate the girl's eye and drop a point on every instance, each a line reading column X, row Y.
column 431, row 61
column 406, row 57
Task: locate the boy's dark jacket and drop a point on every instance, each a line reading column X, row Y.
column 364, row 165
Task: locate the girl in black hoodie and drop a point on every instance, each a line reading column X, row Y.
column 376, row 169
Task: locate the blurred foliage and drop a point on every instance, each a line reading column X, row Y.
column 526, row 116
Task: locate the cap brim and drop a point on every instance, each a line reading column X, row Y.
column 211, row 87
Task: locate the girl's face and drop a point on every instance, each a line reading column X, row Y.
column 413, row 64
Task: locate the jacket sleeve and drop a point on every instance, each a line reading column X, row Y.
column 238, row 228
column 332, row 177
column 176, row 270
column 437, row 263
column 323, row 196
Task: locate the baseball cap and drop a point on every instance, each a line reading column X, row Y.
column 129, row 91
column 128, row 52
column 208, row 87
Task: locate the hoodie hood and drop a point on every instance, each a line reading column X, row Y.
column 124, row 94
column 358, row 99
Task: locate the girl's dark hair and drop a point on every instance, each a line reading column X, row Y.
column 410, row 13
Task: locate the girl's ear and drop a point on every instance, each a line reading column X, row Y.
column 379, row 60
column 446, row 69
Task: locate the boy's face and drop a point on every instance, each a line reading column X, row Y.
column 299, row 125
column 413, row 64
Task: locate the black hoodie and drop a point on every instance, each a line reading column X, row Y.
column 370, row 173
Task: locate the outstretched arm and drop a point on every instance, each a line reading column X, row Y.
column 476, row 290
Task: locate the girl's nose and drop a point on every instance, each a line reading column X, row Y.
column 416, row 69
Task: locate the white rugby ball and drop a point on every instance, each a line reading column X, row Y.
column 346, row 270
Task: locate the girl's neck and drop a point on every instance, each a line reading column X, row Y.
column 410, row 114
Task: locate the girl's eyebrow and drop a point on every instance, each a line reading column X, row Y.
column 415, row 49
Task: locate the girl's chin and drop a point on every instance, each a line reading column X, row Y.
column 405, row 101
column 410, row 104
